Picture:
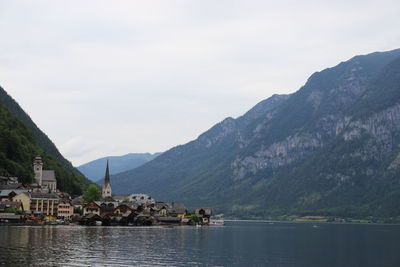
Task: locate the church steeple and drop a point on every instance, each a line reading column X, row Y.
column 107, row 185
column 107, row 176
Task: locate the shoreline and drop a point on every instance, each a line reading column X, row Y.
column 306, row 222
column 206, row 226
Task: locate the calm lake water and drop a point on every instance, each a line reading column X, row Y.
column 236, row 244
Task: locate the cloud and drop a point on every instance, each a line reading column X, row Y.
column 107, row 78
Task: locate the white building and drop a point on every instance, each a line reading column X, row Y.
column 141, row 199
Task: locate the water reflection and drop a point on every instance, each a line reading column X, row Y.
column 237, row 244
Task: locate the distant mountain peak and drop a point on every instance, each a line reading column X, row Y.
column 94, row 170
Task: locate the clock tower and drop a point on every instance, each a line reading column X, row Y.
column 38, row 169
column 107, row 185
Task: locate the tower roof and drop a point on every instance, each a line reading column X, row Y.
column 107, row 176
column 38, row 160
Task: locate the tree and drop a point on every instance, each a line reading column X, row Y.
column 92, row 193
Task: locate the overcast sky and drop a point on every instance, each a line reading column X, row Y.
column 104, row 78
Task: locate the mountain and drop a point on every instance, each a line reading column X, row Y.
column 28, row 141
column 331, row 148
column 94, row 170
column 16, row 146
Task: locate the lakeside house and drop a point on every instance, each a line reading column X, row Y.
column 44, row 203
column 125, row 209
column 204, row 214
column 91, row 208
column 65, row 209
column 78, row 203
column 107, row 208
column 177, row 210
column 9, row 194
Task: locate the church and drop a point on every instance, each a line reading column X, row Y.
column 107, row 192
column 45, row 178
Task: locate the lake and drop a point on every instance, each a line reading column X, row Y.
column 236, row 244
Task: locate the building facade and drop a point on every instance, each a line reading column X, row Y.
column 44, row 203
column 25, row 200
column 91, row 208
column 65, row 209
column 141, row 199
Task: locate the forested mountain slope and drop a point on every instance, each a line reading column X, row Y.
column 29, row 141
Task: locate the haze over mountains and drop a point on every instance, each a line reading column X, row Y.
column 331, row 148
column 94, row 170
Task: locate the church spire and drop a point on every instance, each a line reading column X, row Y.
column 107, row 176
column 107, row 185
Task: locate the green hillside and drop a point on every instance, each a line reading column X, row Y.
column 22, row 140
column 17, row 147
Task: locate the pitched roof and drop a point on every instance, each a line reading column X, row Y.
column 64, row 201
column 160, row 205
column 63, row 195
column 177, row 208
column 43, row 195
column 10, row 186
column 107, row 205
column 49, row 176
column 120, row 197
column 6, row 192
column 109, row 199
column 97, row 203
column 77, row 201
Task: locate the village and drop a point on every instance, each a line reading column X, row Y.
column 42, row 203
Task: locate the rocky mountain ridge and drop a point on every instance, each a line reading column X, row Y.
column 326, row 149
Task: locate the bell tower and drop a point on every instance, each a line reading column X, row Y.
column 107, row 185
column 38, row 169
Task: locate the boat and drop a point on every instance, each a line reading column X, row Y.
column 217, row 222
